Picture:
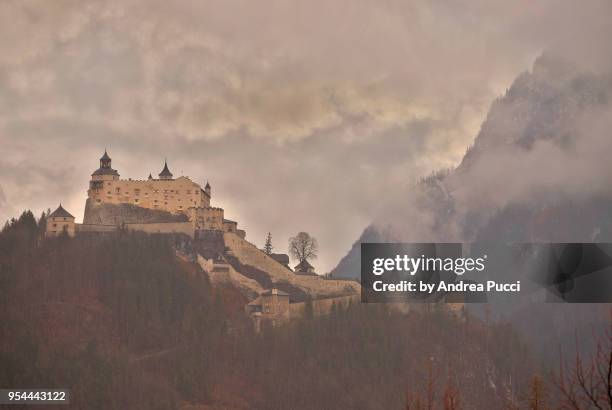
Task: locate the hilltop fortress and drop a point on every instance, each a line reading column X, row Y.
column 154, row 205
column 179, row 206
column 168, row 205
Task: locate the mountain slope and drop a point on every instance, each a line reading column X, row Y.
column 538, row 170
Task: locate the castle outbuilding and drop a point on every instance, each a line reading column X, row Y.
column 304, row 268
column 272, row 307
column 60, row 221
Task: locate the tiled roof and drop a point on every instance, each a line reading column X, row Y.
column 105, row 171
column 303, row 266
column 60, row 212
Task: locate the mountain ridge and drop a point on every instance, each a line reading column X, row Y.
column 538, row 149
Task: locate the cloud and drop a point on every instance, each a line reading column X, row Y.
column 544, row 144
column 312, row 110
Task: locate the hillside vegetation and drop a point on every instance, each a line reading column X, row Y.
column 125, row 323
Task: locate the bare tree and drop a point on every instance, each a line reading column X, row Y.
column 452, row 396
column 537, row 394
column 303, row 247
column 588, row 385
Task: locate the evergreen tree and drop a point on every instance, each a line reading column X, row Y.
column 268, row 246
column 42, row 223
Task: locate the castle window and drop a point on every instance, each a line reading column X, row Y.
column 136, row 200
column 55, row 225
column 109, row 192
column 155, row 200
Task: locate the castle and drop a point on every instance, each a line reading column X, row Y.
column 155, row 205
column 168, row 205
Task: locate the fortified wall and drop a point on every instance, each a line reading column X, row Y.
column 274, row 307
column 281, row 277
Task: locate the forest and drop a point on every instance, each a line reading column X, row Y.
column 126, row 323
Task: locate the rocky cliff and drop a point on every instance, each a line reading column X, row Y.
column 110, row 214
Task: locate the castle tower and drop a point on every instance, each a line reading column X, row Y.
column 207, row 189
column 105, row 161
column 105, row 172
column 165, row 174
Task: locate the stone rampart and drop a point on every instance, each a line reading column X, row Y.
column 280, row 276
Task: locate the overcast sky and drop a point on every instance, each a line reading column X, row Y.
column 303, row 115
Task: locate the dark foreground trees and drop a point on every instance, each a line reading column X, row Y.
column 125, row 323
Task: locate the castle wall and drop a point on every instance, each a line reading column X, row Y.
column 230, row 226
column 275, row 307
column 315, row 286
column 207, row 218
column 95, row 228
column 171, row 195
column 321, row 307
column 163, row 227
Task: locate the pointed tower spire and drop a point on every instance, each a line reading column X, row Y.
column 165, row 174
column 105, row 161
column 105, row 171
